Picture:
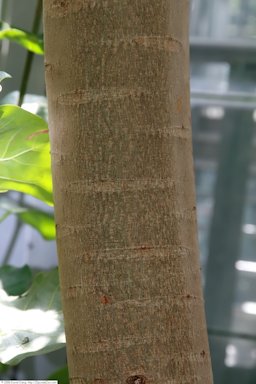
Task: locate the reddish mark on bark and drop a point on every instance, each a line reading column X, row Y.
column 145, row 247
column 190, row 297
column 137, row 379
column 43, row 131
column 203, row 354
column 105, row 299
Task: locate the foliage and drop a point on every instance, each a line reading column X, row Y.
column 61, row 376
column 24, row 153
column 3, row 75
column 32, row 323
column 42, row 221
column 30, row 41
column 15, row 281
column 3, row 368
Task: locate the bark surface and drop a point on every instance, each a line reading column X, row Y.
column 117, row 74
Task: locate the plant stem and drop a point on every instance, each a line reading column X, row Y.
column 30, row 55
column 12, row 242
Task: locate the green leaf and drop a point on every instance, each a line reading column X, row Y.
column 42, row 221
column 32, row 103
column 24, row 153
column 27, row 40
column 3, row 76
column 61, row 376
column 31, row 324
column 15, row 281
column 4, row 368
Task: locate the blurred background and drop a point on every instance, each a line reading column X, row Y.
column 223, row 102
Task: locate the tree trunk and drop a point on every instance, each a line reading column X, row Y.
column 118, row 86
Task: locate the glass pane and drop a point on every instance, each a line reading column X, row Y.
column 223, row 85
column 220, row 19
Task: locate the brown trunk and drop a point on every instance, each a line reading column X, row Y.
column 118, row 87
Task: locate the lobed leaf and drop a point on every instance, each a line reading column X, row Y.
column 15, row 281
column 24, row 153
column 31, row 324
